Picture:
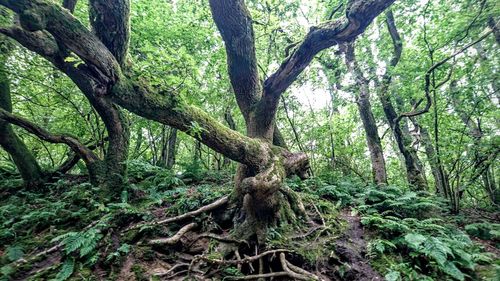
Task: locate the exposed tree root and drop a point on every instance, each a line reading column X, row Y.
column 221, row 239
column 303, row 275
column 171, row 270
column 174, row 239
column 222, row 201
column 241, row 261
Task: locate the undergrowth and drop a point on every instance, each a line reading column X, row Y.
column 411, row 234
column 67, row 216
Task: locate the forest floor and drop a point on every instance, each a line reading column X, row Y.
column 357, row 232
column 352, row 247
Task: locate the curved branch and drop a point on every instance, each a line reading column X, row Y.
column 174, row 239
column 85, row 153
column 216, row 204
column 40, row 41
column 415, row 111
column 37, row 15
column 359, row 15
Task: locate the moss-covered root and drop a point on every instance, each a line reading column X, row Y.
column 287, row 209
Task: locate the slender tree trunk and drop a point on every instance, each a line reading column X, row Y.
column 172, row 143
column 403, row 141
column 379, row 172
column 441, row 183
column 25, row 162
column 138, row 143
column 482, row 165
column 414, row 174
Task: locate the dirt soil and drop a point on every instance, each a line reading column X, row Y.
column 351, row 249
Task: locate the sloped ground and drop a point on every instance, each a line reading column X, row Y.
column 92, row 241
column 352, row 248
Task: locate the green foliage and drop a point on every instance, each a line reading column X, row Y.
column 423, row 245
column 67, row 269
column 485, row 231
column 80, row 242
column 392, row 200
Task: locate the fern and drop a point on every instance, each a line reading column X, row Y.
column 83, row 242
column 66, row 271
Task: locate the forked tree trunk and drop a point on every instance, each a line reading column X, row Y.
column 24, row 160
column 259, row 191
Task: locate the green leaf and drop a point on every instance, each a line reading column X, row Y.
column 66, row 270
column 14, row 253
column 450, row 269
column 393, row 276
column 414, row 240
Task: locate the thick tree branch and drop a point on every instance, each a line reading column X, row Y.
column 359, row 15
column 85, row 153
column 110, row 22
column 397, row 44
column 235, row 25
column 70, row 5
column 39, row 41
column 37, row 15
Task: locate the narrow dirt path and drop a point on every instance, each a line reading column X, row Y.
column 351, row 248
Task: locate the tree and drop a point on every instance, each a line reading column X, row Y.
column 26, row 163
column 414, row 172
column 369, row 124
column 104, row 77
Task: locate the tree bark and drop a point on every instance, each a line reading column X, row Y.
column 70, row 5
column 228, row 117
column 415, row 176
column 172, row 142
column 441, row 182
column 379, row 172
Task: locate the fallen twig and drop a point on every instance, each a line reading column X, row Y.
column 241, row 261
